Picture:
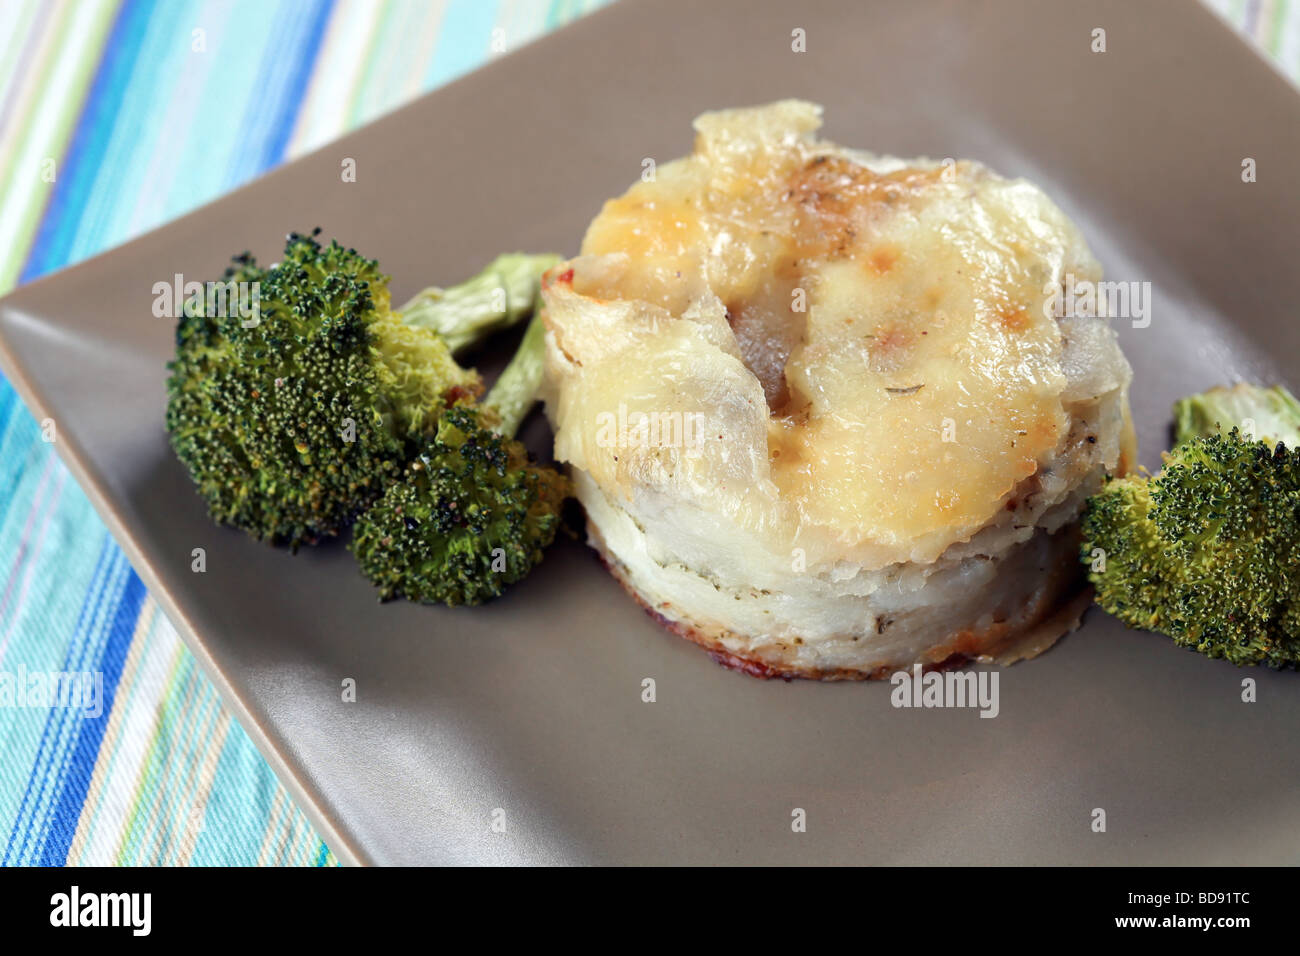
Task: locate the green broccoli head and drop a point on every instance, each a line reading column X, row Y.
column 472, row 515
column 1207, row 551
column 294, row 418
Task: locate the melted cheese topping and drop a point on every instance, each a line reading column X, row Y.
column 866, row 339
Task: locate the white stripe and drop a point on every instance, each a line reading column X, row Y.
column 139, row 726
column 161, row 794
column 340, row 66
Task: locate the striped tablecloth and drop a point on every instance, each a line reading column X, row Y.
column 115, row 117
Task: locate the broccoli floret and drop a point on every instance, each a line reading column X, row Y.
column 1269, row 415
column 294, row 417
column 473, row 513
column 1207, row 550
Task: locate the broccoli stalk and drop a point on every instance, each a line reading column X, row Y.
column 1270, row 415
column 293, row 420
column 474, row 513
column 498, row 297
column 1208, row 550
column 515, row 391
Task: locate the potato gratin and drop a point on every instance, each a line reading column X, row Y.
column 819, row 410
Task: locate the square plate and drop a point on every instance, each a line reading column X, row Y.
column 533, row 704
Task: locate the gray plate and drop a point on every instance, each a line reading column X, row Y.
column 533, row 704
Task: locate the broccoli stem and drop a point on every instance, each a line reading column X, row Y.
column 501, row 295
column 515, row 392
column 1269, row 415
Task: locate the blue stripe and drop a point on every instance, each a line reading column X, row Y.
column 291, row 102
column 88, row 642
column 80, row 764
column 13, row 468
column 266, row 122
column 84, row 157
column 7, row 400
column 52, row 721
column 69, row 719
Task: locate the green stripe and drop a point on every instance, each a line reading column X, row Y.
column 32, row 201
column 1279, row 17
column 371, row 63
column 148, row 770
